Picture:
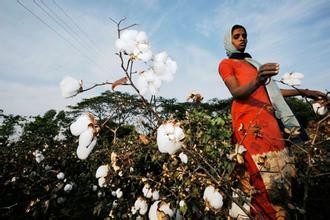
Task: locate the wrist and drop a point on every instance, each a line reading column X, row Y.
column 257, row 83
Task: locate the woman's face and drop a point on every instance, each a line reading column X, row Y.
column 239, row 39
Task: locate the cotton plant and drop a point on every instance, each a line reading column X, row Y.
column 160, row 210
column 87, row 129
column 70, row 86
column 292, row 78
column 213, row 198
column 169, row 137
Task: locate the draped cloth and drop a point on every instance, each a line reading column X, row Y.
column 255, row 127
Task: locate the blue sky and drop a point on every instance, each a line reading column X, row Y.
column 34, row 59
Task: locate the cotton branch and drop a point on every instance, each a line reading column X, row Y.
column 99, row 84
column 128, row 70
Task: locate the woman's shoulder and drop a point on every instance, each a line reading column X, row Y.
column 226, row 61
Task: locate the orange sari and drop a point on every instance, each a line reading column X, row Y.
column 256, row 128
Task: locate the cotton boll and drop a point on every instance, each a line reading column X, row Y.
column 86, row 144
column 145, row 56
column 153, row 211
column 169, row 128
column 60, row 176
column 127, row 41
column 145, row 188
column 142, row 47
column 165, row 145
column 208, row 192
column 38, row 156
column 166, row 138
column 129, row 35
column 154, row 85
column 164, row 66
column 319, row 109
column 100, row 194
column 216, row 200
column 183, row 157
column 241, row 149
column 141, row 37
column 86, row 137
column 102, row 182
column 159, row 68
column 165, row 207
column 147, row 192
column 119, row 193
column 155, row 195
column 143, row 209
column 160, row 207
column 161, row 57
column 94, row 188
column 235, row 211
column 120, row 44
column 120, row 173
column 178, row 133
column 68, row 187
column 69, row 87
column 182, row 203
column 133, row 210
column 213, row 197
column 148, row 81
column 142, row 85
column 102, row 171
column 141, row 205
column 83, row 152
column 80, row 125
column 162, row 140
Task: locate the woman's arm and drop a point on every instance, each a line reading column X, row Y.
column 243, row 91
column 240, row 92
column 314, row 94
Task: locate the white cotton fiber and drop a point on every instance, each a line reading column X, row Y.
column 80, row 125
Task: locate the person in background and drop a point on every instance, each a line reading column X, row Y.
column 257, row 105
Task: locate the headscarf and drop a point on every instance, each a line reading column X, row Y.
column 282, row 110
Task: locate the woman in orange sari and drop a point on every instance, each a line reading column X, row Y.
column 254, row 107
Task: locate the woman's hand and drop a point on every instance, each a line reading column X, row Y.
column 266, row 71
